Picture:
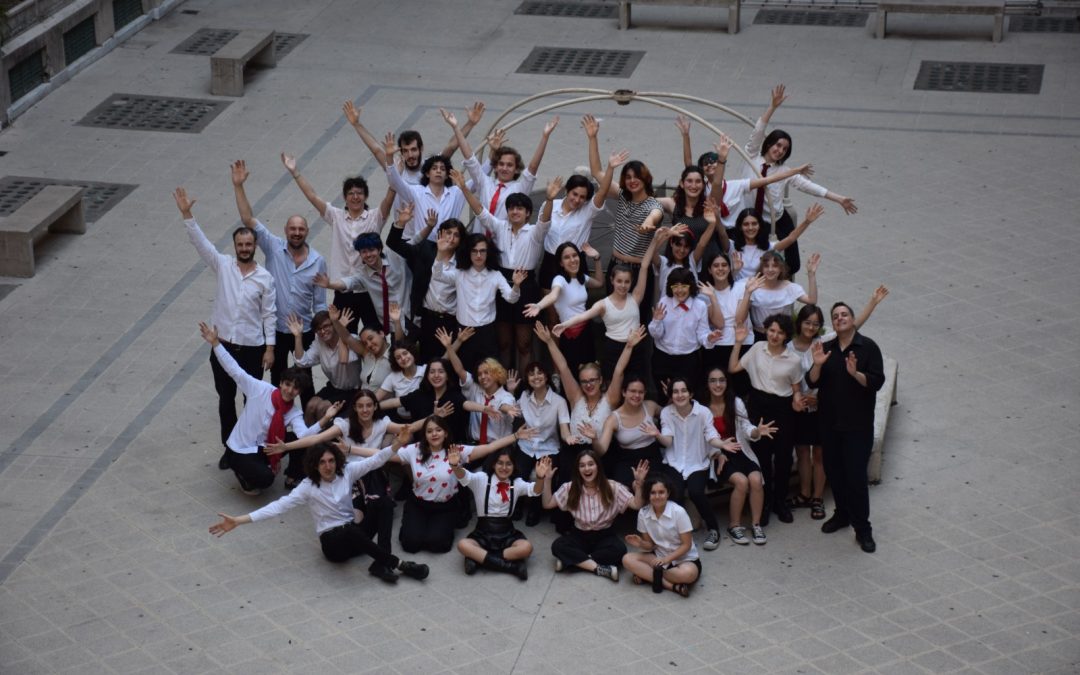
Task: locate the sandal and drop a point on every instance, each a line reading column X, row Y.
column 682, row 589
column 637, row 580
column 799, row 502
column 817, row 509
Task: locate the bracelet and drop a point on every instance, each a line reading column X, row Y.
column 723, row 162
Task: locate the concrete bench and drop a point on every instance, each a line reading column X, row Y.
column 731, row 5
column 995, row 8
column 227, row 64
column 57, row 208
column 886, row 398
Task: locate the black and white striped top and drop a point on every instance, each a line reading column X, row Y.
column 628, row 217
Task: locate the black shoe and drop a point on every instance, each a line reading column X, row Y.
column 521, row 569
column 471, row 566
column 834, row 524
column 866, row 542
column 223, row 463
column 783, row 514
column 384, row 573
column 417, row 571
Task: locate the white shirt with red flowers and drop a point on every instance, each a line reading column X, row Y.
column 432, row 480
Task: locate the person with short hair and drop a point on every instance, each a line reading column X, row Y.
column 327, row 492
column 339, row 364
column 385, row 283
column 669, row 559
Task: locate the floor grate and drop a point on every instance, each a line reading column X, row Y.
column 97, row 199
column 792, row 17
column 1044, row 24
column 580, row 10
column 587, row 62
column 206, row 42
column 286, row 42
column 991, row 78
column 154, row 113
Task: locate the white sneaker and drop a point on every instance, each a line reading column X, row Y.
column 759, row 535
column 558, row 565
column 738, row 535
column 609, row 571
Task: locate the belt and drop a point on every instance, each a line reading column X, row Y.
column 622, row 257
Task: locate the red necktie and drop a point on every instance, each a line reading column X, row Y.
column 495, row 199
column 683, row 307
column 759, row 201
column 504, row 490
column 484, row 420
column 724, row 213
column 385, row 301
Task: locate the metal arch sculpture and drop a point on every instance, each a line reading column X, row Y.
column 624, row 97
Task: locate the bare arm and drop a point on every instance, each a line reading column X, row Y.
column 473, row 115
column 683, row 125
column 614, row 161
column 876, row 297
column 588, row 315
column 592, row 128
column 779, row 95
column 352, row 114
column 305, row 187
column 734, row 365
column 569, row 382
column 541, row 147
column 811, row 280
column 614, row 390
column 812, row 214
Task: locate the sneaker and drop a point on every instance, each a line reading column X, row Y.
column 712, row 541
column 558, row 565
column 608, row 571
column 470, row 566
column 866, row 542
column 384, row 573
column 835, row 524
column 738, row 535
column 251, row 493
column 418, row 571
column 759, row 535
column 223, row 463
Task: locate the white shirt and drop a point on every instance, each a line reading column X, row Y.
column 765, row 302
column 341, row 375
column 476, row 291
column 519, row 250
column 729, row 304
column 373, row 440
column 751, row 258
column 330, row 502
column 774, row 192
column 447, row 205
column 485, row 186
column 249, row 433
column 580, row 414
column 681, row 331
column 665, row 530
column 485, row 486
column 574, row 227
column 618, row 323
column 496, row 428
column 744, row 428
column 772, row 374
column 734, row 197
column 441, row 294
column 370, row 280
column 689, row 452
column 374, row 369
column 244, row 306
column 344, row 229
column 545, row 415
column 572, row 297
column 665, row 267
column 433, row 480
column 397, row 384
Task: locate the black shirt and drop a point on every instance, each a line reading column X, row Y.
column 422, row 403
column 843, row 403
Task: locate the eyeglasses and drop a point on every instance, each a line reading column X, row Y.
column 479, row 250
column 717, row 380
column 674, row 286
column 591, row 380
column 812, row 324
column 355, row 193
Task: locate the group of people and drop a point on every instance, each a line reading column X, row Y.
column 460, row 360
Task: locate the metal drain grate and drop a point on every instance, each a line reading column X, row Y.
column 793, row 17
column 205, row 41
column 286, row 42
column 153, row 113
column 97, row 199
column 1044, row 24
column 588, row 62
column 580, row 10
column 991, row 78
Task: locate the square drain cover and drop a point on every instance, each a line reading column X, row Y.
column 581, row 10
column 97, row 199
column 206, row 42
column 1044, row 24
column 990, row 78
column 154, row 113
column 588, row 62
column 794, row 17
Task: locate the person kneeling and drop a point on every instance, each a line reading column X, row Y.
column 327, row 491
column 495, row 544
column 665, row 534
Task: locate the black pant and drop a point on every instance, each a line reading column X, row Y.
column 362, row 307
column 774, row 454
column 619, row 463
column 349, row 540
column 250, row 360
column 576, row 546
column 692, row 486
column 579, row 349
column 481, row 345
column 430, row 347
column 785, row 226
column 611, row 350
column 666, row 366
column 428, row 526
column 845, row 458
column 717, row 357
column 283, row 349
column 252, row 470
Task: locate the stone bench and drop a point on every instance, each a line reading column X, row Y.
column 227, row 64
column 995, row 8
column 886, row 399
column 731, row 5
column 57, row 208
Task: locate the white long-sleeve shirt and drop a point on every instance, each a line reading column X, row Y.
column 485, row 186
column 447, row 205
column 519, row 250
column 330, row 502
column 681, row 331
column 690, row 450
column 774, row 192
column 476, row 291
column 245, row 307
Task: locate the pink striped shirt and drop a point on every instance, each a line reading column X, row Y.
column 591, row 514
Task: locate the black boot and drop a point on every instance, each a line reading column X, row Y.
column 497, row 563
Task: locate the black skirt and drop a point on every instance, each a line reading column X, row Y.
column 495, row 534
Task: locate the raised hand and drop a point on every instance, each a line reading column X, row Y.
column 590, row 125
column 767, row 429
column 755, row 282
column 806, row 170
column 346, row 317
column 239, row 173
column 550, row 126
column 736, row 262
column 636, row 336
column 389, row 145
column 649, row 429
column 432, row 218
column 183, row 202
column 723, row 146
column 554, row 186
column 617, row 159
column 295, row 325
column 818, row 354
column 543, row 468
column 812, row 264
column 741, row 333
column 334, row 312
column 464, row 334
column 321, row 280
column 706, row 288
column 352, row 113
column 474, row 112
column 450, row 118
column 848, row 204
column 395, row 312
column 496, row 139
column 641, row 470
column 711, row 212
column 333, row 410
column 443, row 337
column 682, row 123
column 453, row 455
column 589, row 251
column 512, row 381
column 814, row 212
column 851, row 363
column 404, row 214
column 779, row 95
column 658, row 313
column 445, row 410
column 209, row 334
column 879, row 294
column 402, row 438
column 519, row 276
column 457, row 178
column 290, row 163
column 227, row 524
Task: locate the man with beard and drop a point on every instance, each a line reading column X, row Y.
column 294, row 265
column 244, row 312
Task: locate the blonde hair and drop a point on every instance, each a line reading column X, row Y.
column 495, row 368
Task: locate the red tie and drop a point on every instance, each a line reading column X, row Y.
column 724, row 213
column 759, row 201
column 683, row 307
column 504, row 490
column 484, row 420
column 385, row 301
column 495, row 199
